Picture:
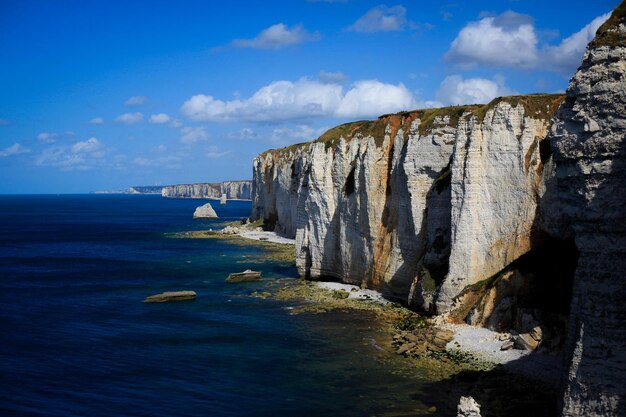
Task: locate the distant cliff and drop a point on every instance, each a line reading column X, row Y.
column 145, row 189
column 234, row 190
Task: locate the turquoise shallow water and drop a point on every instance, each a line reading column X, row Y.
column 78, row 341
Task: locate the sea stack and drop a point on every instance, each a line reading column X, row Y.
column 223, row 199
column 205, row 212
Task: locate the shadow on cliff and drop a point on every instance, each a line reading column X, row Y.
column 585, row 205
column 500, row 392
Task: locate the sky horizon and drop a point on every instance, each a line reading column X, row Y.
column 107, row 95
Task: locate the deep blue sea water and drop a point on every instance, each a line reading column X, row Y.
column 78, row 341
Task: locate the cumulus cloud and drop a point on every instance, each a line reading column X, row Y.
column 160, row 118
column 82, row 155
column 166, row 161
column 505, row 40
column 192, row 135
column 510, row 40
column 47, row 137
column 243, row 134
column 88, row 146
column 14, row 149
column 277, row 36
column 303, row 99
column 381, row 19
column 97, row 121
column 135, row 101
column 457, row 90
column 213, row 152
column 566, row 56
column 332, row 77
column 301, row 133
column 129, row 118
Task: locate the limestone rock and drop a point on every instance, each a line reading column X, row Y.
column 525, row 342
column 171, row 296
column 234, row 190
column 507, row 345
column 246, row 276
column 205, row 212
column 417, row 205
column 585, row 200
column 536, row 333
column 468, row 407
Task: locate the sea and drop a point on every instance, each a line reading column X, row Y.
column 77, row 340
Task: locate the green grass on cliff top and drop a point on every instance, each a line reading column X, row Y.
column 537, row 106
column 607, row 35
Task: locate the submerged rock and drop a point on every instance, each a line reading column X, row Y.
column 205, row 212
column 246, row 276
column 171, row 296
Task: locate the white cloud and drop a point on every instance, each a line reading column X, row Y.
column 301, row 133
column 159, row 149
column 303, row 99
column 176, row 123
column 381, row 19
column 505, row 40
column 129, row 118
column 457, row 90
column 566, row 56
column 160, row 118
column 135, row 101
column 97, row 121
column 332, row 77
column 510, row 40
column 47, row 137
column 14, row 149
column 213, row 152
column 88, row 146
column 192, row 135
column 277, row 36
column 168, row 161
column 372, row 98
column 242, row 134
column 80, row 156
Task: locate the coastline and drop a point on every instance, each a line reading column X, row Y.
column 479, row 347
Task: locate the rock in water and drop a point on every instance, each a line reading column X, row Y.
column 171, row 296
column 246, row 276
column 468, row 407
column 205, row 212
column 223, row 199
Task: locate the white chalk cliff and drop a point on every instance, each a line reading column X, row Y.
column 510, row 215
column 234, row 190
column 418, row 205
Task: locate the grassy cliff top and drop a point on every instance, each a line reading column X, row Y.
column 537, row 106
column 607, row 34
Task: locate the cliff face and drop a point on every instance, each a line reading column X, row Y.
column 585, row 199
column 418, row 205
column 234, row 190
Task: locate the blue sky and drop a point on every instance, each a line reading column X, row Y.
column 108, row 94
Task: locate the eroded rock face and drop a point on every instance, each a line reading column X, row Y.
column 234, row 190
column 205, row 211
column 585, row 199
column 417, row 205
